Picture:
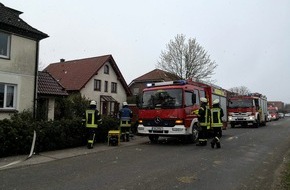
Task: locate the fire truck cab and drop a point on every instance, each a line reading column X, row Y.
column 273, row 112
column 171, row 108
column 247, row 110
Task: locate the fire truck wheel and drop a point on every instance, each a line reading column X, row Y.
column 194, row 135
column 153, row 138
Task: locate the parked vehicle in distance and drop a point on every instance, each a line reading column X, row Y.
column 247, row 110
column 273, row 112
column 287, row 115
column 281, row 115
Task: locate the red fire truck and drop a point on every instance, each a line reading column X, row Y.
column 170, row 109
column 247, row 110
column 273, row 112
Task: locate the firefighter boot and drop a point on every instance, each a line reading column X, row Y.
column 218, row 144
column 214, row 142
column 127, row 137
column 123, row 137
column 91, row 140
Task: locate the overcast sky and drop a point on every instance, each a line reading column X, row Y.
column 248, row 39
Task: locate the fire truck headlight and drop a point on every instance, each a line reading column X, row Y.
column 252, row 117
column 179, row 121
column 230, row 118
column 140, row 121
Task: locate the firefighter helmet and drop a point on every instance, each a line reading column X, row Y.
column 203, row 100
column 216, row 101
column 93, row 103
column 125, row 104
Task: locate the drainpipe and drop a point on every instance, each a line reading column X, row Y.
column 35, row 79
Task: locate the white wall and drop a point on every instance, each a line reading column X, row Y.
column 19, row 70
column 88, row 90
column 51, row 103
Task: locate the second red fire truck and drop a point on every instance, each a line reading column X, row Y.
column 247, row 110
column 170, row 108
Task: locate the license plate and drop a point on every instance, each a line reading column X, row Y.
column 157, row 128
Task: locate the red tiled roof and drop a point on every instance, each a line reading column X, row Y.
column 75, row 74
column 157, row 75
column 47, row 85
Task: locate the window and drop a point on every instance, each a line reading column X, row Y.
column 4, row 45
column 106, row 69
column 7, row 96
column 97, row 85
column 202, row 94
column 106, row 86
column 114, row 87
column 190, row 98
column 165, row 99
column 196, row 100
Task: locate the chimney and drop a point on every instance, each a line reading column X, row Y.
column 62, row 60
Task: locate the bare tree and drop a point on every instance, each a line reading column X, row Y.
column 186, row 60
column 241, row 90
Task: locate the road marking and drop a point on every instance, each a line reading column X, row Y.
column 187, row 179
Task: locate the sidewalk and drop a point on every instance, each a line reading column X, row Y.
column 18, row 161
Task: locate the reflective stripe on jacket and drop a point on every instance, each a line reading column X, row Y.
column 204, row 119
column 216, row 119
column 90, row 119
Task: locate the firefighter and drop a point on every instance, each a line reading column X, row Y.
column 93, row 119
column 216, row 123
column 204, row 118
column 125, row 115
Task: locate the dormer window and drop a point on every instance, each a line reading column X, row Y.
column 4, row 45
column 106, row 69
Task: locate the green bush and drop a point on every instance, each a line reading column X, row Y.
column 16, row 134
column 54, row 135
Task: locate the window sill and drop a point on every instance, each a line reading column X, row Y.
column 8, row 111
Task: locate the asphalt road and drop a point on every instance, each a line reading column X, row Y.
column 248, row 159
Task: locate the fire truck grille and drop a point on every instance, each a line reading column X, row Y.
column 162, row 123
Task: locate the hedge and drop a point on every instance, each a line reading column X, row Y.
column 16, row 134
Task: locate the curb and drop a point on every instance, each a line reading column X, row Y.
column 43, row 157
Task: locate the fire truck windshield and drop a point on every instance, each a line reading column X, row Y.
column 241, row 103
column 165, row 98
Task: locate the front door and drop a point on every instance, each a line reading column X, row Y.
column 104, row 108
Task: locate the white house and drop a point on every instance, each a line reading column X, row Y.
column 96, row 78
column 19, row 48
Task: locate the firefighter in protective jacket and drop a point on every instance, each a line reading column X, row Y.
column 125, row 115
column 204, row 119
column 93, row 119
column 216, row 123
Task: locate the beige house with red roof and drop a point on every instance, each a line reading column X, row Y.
column 96, row 78
column 19, row 51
